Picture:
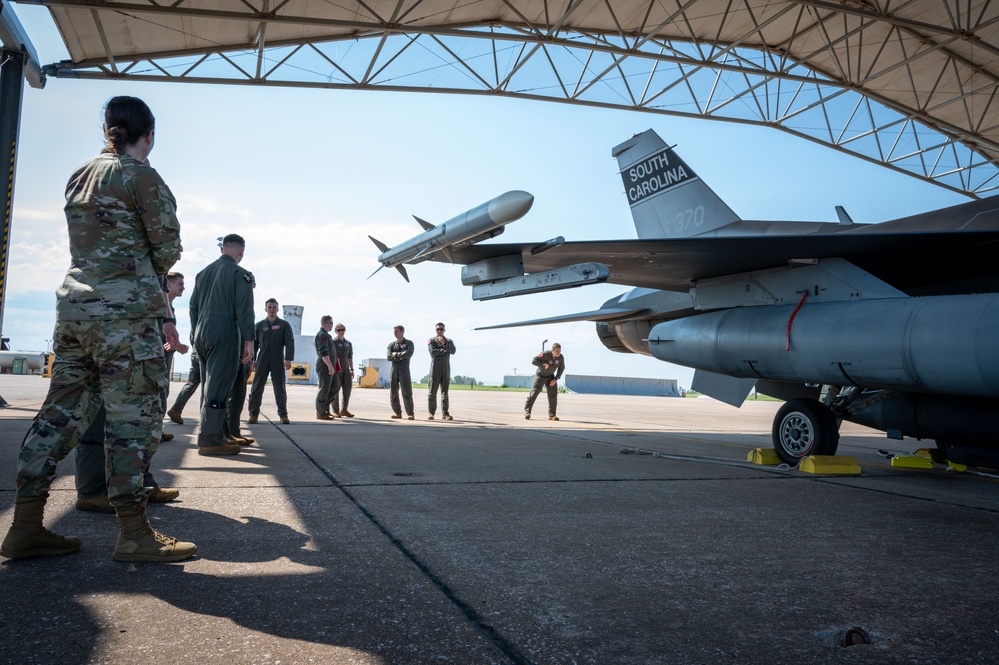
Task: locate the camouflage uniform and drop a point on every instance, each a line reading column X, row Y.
column 221, row 311
column 399, row 352
column 91, row 472
column 273, row 343
column 324, row 349
column 342, row 380
column 123, row 233
column 543, row 378
column 440, row 373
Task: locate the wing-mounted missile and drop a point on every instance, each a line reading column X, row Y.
column 480, row 223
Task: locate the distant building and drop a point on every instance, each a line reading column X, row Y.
column 384, row 368
column 518, row 380
column 303, row 366
column 604, row 385
column 621, row 385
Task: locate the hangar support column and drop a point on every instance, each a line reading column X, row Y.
column 18, row 62
column 11, row 90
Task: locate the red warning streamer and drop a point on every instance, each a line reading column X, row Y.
column 787, row 343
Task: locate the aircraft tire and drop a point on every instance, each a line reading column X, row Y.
column 804, row 427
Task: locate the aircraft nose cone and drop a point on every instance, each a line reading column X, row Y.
column 508, row 207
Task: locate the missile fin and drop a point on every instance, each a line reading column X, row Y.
column 380, row 245
column 375, row 272
column 427, row 226
column 402, row 271
column 447, row 254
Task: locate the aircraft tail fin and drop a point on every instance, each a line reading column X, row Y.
column 667, row 199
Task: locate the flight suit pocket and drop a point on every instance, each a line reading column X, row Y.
column 148, row 375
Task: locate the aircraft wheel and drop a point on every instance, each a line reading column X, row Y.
column 804, row 427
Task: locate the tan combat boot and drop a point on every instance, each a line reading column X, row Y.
column 225, row 449
column 162, row 495
column 27, row 537
column 138, row 542
column 95, row 504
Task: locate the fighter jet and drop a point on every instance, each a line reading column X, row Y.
column 890, row 325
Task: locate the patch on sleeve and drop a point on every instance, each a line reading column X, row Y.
column 248, row 278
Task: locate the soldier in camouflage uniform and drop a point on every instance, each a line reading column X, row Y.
column 123, row 234
column 91, row 482
column 222, row 322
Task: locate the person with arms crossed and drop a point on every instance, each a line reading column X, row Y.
column 399, row 353
column 441, row 349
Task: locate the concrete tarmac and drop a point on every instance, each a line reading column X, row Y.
column 631, row 531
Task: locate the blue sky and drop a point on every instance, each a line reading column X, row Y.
column 306, row 175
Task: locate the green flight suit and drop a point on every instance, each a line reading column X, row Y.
column 221, row 311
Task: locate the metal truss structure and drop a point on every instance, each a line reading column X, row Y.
column 908, row 85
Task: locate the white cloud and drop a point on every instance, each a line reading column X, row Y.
column 37, row 266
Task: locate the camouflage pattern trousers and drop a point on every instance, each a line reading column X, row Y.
column 119, row 363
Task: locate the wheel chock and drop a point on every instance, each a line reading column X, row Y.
column 916, row 461
column 764, row 456
column 934, row 454
column 830, row 465
column 954, row 466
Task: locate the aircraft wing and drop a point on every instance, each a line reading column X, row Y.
column 593, row 315
column 906, row 260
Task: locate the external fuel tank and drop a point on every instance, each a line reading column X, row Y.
column 945, row 345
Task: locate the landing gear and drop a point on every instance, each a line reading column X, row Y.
column 969, row 454
column 804, row 427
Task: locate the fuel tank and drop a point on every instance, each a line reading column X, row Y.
column 941, row 344
column 948, row 418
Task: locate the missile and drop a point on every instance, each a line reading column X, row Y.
column 480, row 223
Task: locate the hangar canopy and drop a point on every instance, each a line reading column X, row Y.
column 908, row 84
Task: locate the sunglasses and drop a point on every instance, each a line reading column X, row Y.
column 341, row 329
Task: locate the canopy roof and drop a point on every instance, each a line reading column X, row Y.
column 908, row 84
